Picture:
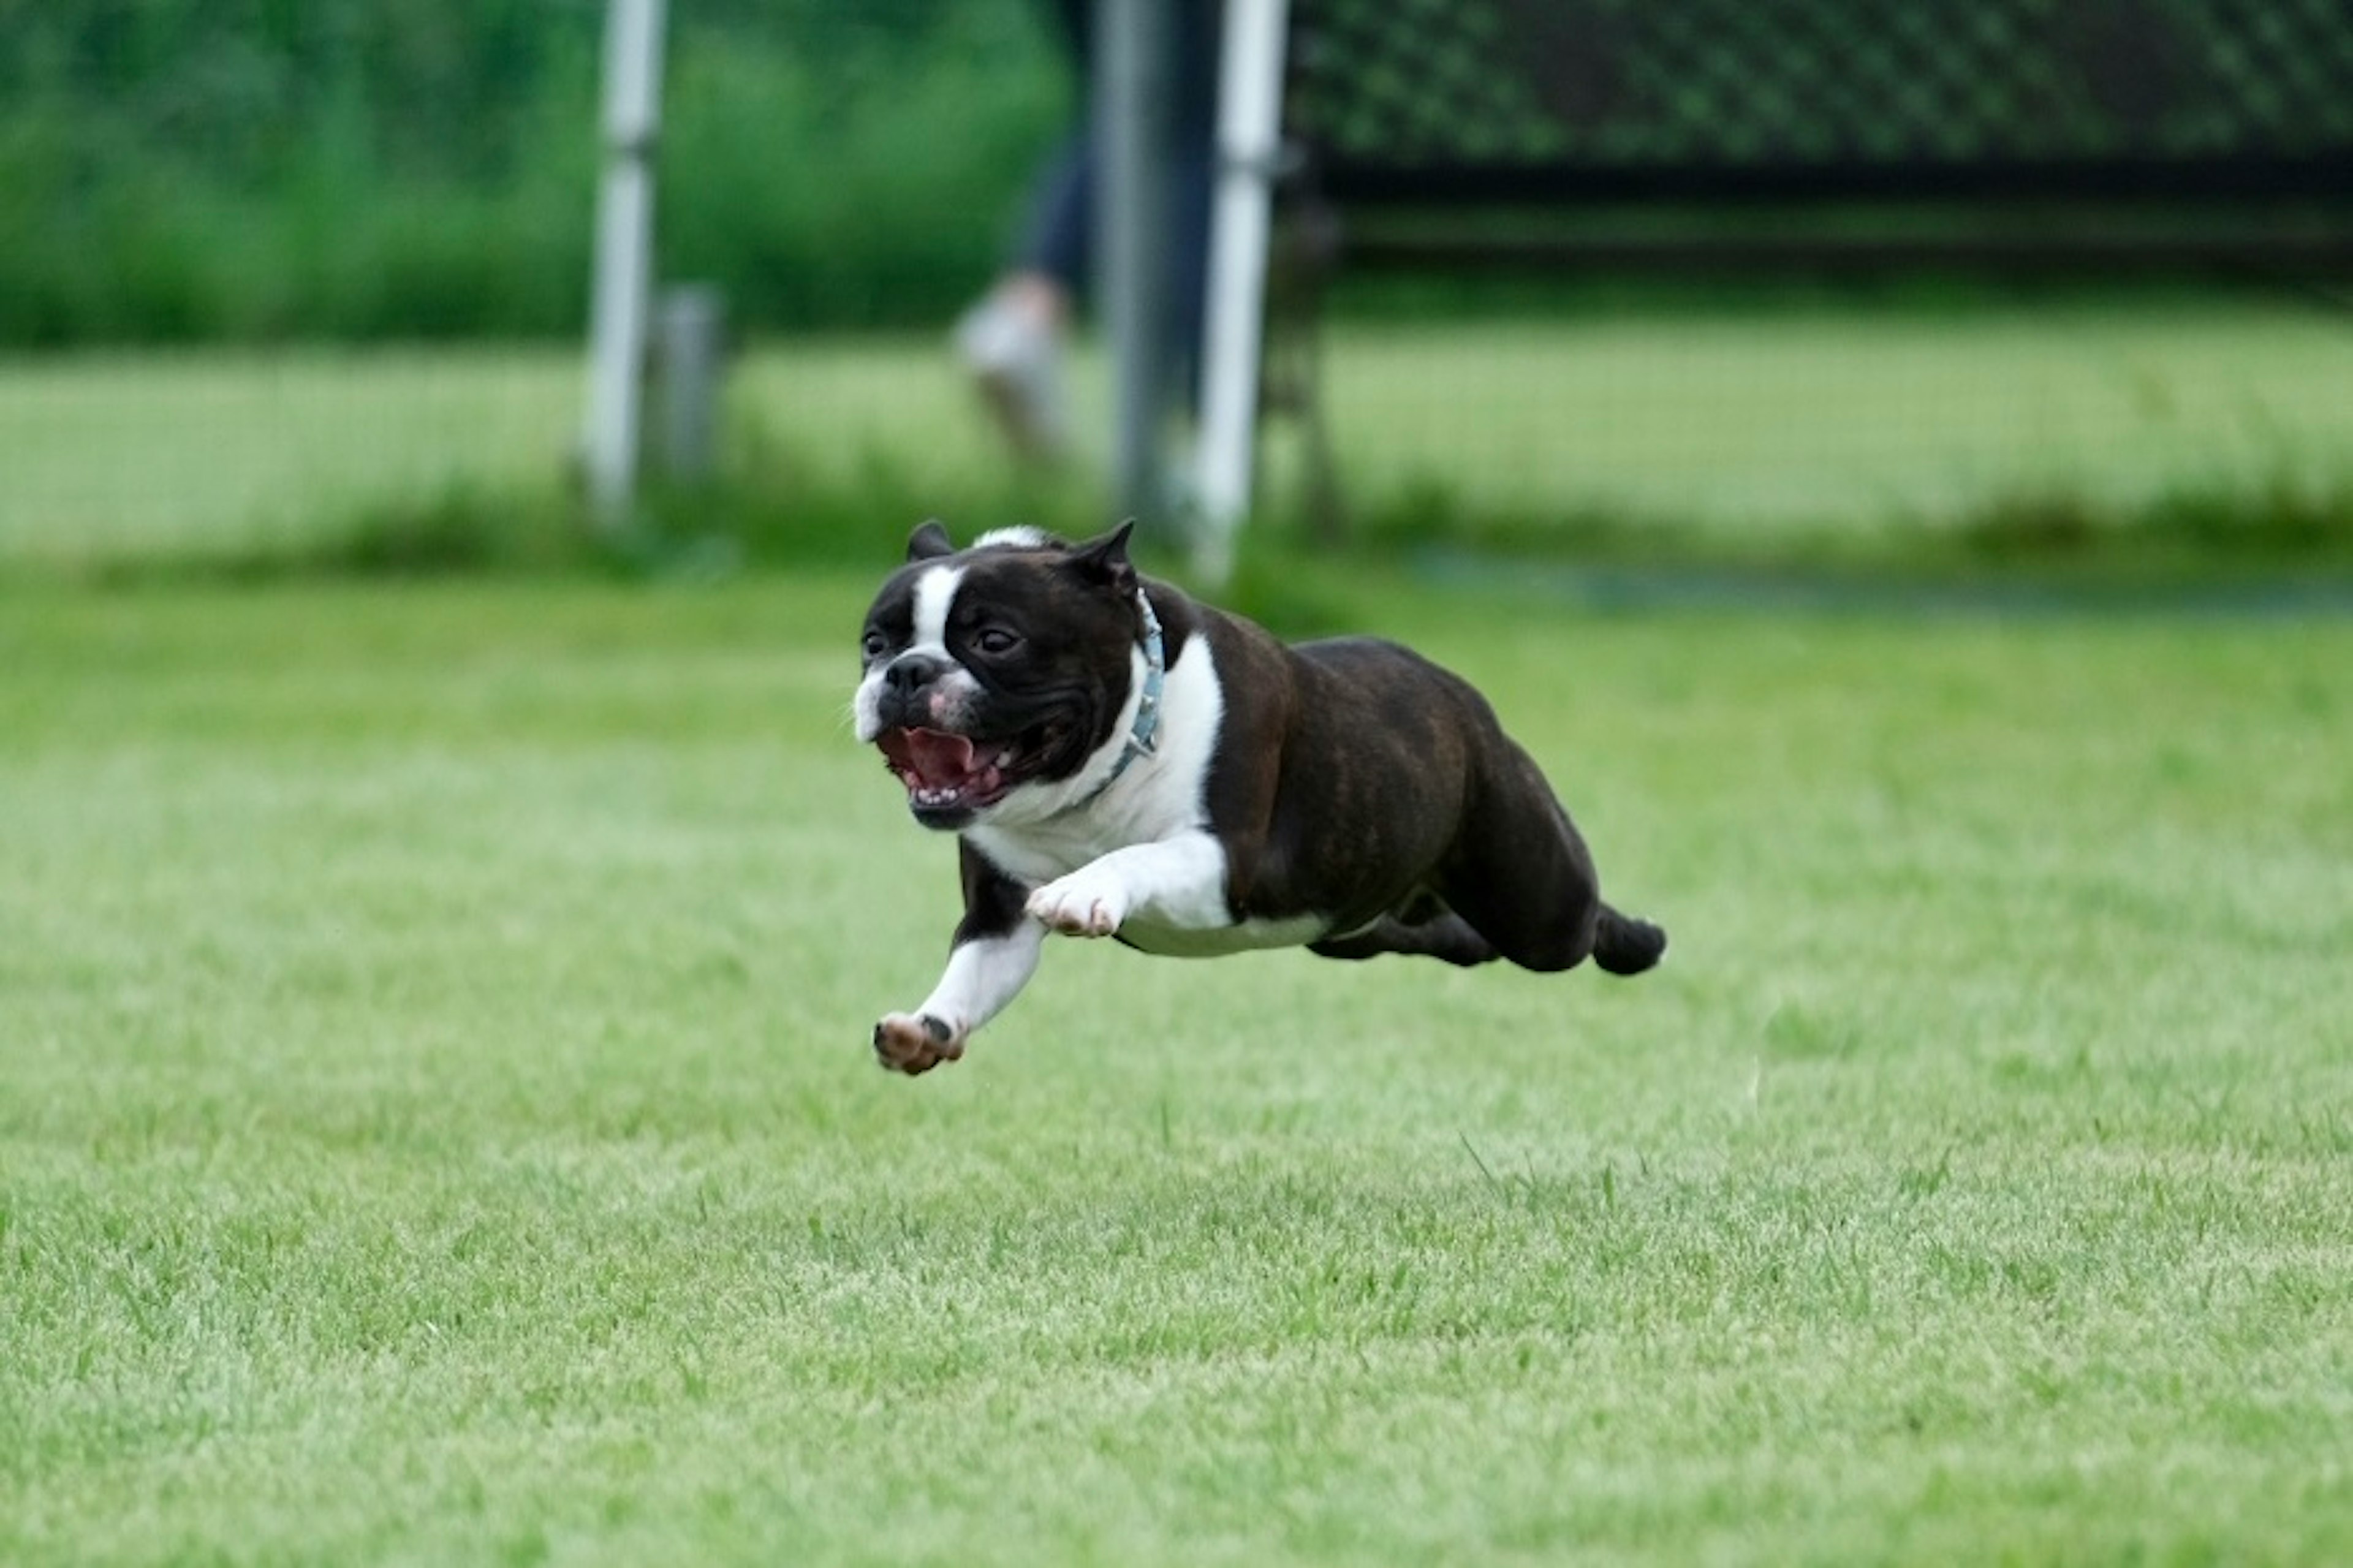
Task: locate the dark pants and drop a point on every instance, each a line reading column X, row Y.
column 1059, row 239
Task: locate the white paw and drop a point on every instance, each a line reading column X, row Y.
column 1081, row 904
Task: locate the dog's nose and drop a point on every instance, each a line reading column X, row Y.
column 911, row 672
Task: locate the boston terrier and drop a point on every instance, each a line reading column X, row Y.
column 1118, row 760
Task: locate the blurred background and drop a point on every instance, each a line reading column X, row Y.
column 309, row 285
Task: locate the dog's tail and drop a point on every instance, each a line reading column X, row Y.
column 1625, row 945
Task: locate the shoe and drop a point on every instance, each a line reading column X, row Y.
column 1018, row 365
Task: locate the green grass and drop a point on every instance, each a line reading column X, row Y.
column 128, row 460
column 1708, row 435
column 1846, row 421
column 139, row 457
column 435, row 1123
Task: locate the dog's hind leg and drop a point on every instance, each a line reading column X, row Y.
column 1523, row 877
column 1446, row 936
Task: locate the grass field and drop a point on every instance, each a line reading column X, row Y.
column 1805, row 421
column 1758, row 424
column 435, row 1123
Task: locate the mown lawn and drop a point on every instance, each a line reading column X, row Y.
column 1757, row 425
column 436, row 1121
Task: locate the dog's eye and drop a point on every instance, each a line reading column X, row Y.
column 875, row 645
column 995, row 640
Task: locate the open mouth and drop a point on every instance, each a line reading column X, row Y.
column 947, row 773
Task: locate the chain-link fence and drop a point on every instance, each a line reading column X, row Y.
column 2023, row 254
column 1497, row 99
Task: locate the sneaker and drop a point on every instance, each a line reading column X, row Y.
column 1018, row 365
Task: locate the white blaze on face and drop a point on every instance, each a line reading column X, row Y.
column 935, row 593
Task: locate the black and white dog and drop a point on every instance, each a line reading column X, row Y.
column 1121, row 761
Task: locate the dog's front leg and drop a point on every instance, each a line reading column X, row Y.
column 995, row 952
column 983, row 974
column 1178, row 882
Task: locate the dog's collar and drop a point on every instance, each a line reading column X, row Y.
column 1146, row 724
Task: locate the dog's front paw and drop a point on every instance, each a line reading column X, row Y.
column 1080, row 905
column 904, row 1042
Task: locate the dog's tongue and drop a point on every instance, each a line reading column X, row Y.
column 935, row 758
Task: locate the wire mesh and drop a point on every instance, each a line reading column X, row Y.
column 1448, row 95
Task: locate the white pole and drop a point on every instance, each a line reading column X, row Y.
column 622, row 287
column 1250, row 131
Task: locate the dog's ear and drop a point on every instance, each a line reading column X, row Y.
column 1104, row 560
column 930, row 539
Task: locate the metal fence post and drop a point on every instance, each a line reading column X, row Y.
column 1130, row 128
column 690, row 362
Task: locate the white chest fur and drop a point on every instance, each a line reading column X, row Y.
column 1044, row 832
column 1144, row 843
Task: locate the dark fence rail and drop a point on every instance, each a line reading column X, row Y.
column 1453, row 101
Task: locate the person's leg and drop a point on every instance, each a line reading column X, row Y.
column 1012, row 340
column 1056, row 239
column 1058, row 235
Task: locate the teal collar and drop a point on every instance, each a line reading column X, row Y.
column 1147, row 708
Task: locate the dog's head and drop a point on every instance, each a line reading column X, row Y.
column 999, row 673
